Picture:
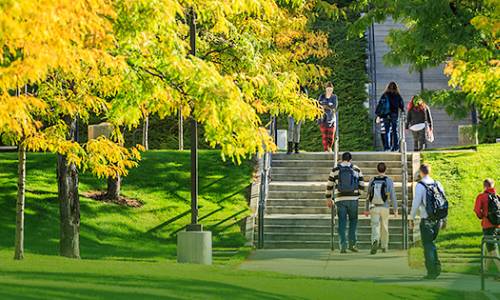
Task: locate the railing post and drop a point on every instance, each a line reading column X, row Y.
column 264, row 185
column 335, row 160
column 482, row 263
column 404, row 179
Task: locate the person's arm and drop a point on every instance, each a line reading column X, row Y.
column 369, row 195
column 429, row 117
column 332, row 178
column 392, row 193
column 401, row 104
column 417, row 200
column 362, row 183
column 478, row 207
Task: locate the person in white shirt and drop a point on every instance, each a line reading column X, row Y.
column 429, row 228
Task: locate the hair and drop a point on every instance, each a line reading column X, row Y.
column 381, row 167
column 392, row 88
column 425, row 169
column 346, row 156
column 411, row 103
column 489, row 183
column 328, row 84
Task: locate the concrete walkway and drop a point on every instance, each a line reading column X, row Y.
column 383, row 268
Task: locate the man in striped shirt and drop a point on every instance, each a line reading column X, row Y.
column 346, row 199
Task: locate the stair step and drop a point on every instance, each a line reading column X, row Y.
column 321, row 177
column 296, row 237
column 356, row 156
column 326, row 170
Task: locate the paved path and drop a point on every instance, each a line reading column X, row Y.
column 384, row 268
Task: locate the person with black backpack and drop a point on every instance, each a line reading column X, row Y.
column 348, row 182
column 388, row 109
column 430, row 201
column 487, row 208
column 380, row 189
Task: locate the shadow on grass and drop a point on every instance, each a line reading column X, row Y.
column 35, row 285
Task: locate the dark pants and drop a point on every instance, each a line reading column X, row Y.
column 418, row 140
column 345, row 209
column 429, row 231
column 491, row 232
column 391, row 132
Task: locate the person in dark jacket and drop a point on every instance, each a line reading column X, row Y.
column 418, row 122
column 293, row 133
column 391, row 121
column 327, row 124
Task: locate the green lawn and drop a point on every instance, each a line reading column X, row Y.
column 51, row 277
column 162, row 182
column 462, row 174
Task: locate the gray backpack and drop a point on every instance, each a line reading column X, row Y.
column 378, row 191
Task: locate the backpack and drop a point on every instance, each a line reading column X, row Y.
column 494, row 209
column 348, row 179
column 436, row 204
column 383, row 107
column 378, row 191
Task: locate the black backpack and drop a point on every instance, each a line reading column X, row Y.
column 348, row 179
column 436, row 204
column 494, row 208
column 378, row 190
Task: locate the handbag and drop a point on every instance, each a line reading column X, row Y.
column 429, row 134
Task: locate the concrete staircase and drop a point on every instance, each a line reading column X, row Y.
column 410, row 83
column 296, row 215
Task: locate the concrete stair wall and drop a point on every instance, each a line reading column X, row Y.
column 296, row 215
column 445, row 127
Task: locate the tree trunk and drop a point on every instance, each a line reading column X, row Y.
column 145, row 133
column 114, row 186
column 181, row 130
column 21, row 191
column 69, row 204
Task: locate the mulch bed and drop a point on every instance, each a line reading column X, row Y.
column 122, row 200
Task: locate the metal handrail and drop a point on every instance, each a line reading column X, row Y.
column 335, row 161
column 404, row 179
column 264, row 185
column 488, row 239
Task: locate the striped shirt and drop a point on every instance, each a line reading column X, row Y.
column 333, row 180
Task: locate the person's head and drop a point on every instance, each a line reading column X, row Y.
column 424, row 170
column 488, row 183
column 416, row 102
column 392, row 88
column 329, row 87
column 381, row 167
column 346, row 156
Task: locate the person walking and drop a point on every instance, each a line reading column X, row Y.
column 293, row 133
column 347, row 179
column 388, row 108
column 380, row 191
column 430, row 201
column 419, row 122
column 327, row 124
column 486, row 201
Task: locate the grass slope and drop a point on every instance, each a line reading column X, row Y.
column 42, row 277
column 462, row 175
column 162, row 182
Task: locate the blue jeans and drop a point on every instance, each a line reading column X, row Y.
column 429, row 231
column 347, row 208
column 391, row 132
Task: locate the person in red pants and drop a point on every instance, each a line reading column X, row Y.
column 327, row 123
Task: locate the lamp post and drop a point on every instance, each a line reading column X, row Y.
column 194, row 226
column 194, row 245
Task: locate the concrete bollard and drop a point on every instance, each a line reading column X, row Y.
column 194, row 247
column 102, row 129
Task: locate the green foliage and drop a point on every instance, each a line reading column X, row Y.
column 161, row 182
